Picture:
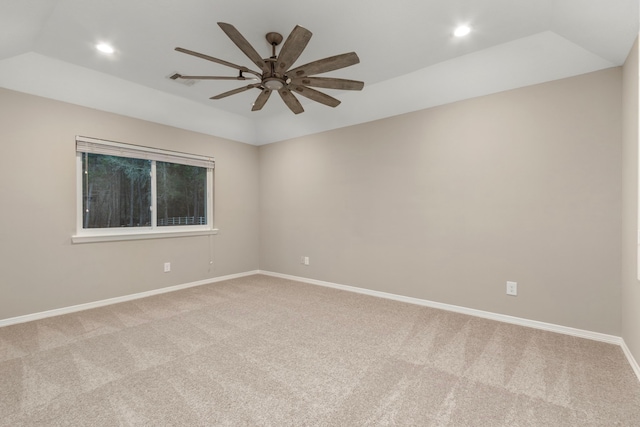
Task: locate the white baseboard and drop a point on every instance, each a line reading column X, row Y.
column 596, row 336
column 631, row 359
column 102, row 303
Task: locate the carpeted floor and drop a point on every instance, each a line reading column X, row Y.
column 260, row 351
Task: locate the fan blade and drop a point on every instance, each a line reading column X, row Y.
column 261, row 100
column 291, row 101
column 180, row 76
column 216, row 60
column 317, row 96
column 292, row 48
column 244, row 45
column 328, row 83
column 234, row 91
column 325, row 65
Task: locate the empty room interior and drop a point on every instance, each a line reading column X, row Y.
column 455, row 243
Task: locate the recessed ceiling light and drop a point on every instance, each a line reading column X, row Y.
column 462, row 31
column 104, row 48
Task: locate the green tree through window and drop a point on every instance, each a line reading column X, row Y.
column 133, row 191
column 181, row 194
column 116, row 191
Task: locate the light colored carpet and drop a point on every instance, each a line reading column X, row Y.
column 267, row 351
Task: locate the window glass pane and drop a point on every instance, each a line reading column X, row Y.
column 181, row 194
column 116, row 191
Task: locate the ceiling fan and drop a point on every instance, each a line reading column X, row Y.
column 276, row 73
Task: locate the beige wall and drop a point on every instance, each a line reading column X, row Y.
column 449, row 203
column 630, row 284
column 444, row 204
column 40, row 269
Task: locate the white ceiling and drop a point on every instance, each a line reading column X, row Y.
column 409, row 59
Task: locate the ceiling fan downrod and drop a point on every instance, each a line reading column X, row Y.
column 273, row 81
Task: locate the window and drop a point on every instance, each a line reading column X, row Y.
column 116, row 191
column 127, row 191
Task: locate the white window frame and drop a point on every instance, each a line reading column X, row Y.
column 99, row 146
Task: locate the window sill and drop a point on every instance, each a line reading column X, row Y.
column 78, row 238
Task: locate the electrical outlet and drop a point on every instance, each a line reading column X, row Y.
column 306, row 260
column 512, row 288
column 167, row 267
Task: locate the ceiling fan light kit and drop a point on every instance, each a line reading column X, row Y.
column 273, row 83
column 275, row 72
